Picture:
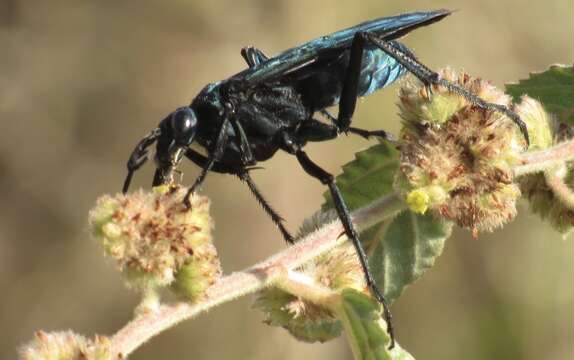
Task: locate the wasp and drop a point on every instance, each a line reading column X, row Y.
column 273, row 105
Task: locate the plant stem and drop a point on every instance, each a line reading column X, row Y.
column 541, row 160
column 301, row 285
column 235, row 285
column 555, row 181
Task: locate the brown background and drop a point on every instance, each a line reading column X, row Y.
column 81, row 81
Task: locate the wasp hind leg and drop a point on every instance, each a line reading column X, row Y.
column 428, row 77
column 348, row 98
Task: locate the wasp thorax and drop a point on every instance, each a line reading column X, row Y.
column 457, row 158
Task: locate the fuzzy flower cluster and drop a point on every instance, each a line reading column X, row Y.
column 457, row 158
column 65, row 345
column 156, row 241
column 339, row 269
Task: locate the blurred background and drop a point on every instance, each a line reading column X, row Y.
column 80, row 83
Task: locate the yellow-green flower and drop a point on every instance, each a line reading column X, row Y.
column 156, row 241
column 457, row 158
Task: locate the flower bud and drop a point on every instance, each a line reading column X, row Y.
column 156, row 241
column 456, row 158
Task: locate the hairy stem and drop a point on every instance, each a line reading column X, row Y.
column 150, row 324
column 303, row 286
column 537, row 161
column 555, row 181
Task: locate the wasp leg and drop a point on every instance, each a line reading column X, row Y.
column 243, row 174
column 329, row 116
column 314, row 130
column 201, row 161
column 345, row 216
column 275, row 217
column 253, row 56
column 428, row 76
column 139, row 156
column 348, row 98
column 214, row 155
column 243, row 143
column 367, row 134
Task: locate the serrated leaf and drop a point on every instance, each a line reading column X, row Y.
column 554, row 88
column 366, row 329
column 368, row 177
column 407, row 247
column 402, row 249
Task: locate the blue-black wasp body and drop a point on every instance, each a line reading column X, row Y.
column 272, row 105
column 282, row 94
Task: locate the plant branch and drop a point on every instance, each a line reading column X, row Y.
column 301, row 285
column 541, row 160
column 255, row 278
column 555, row 181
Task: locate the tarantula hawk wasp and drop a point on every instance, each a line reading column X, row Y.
column 270, row 106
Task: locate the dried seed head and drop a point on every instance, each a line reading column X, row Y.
column 65, row 345
column 455, row 157
column 156, row 241
column 339, row 269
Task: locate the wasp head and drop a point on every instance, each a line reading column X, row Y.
column 178, row 130
column 183, row 126
column 173, row 135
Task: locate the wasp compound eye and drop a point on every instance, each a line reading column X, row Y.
column 183, row 125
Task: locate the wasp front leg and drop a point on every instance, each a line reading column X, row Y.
column 214, row 156
column 243, row 175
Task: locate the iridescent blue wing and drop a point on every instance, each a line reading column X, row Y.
column 330, row 46
column 379, row 69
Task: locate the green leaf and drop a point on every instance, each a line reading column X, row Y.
column 402, row 249
column 366, row 329
column 406, row 248
column 276, row 304
column 554, row 88
column 368, row 177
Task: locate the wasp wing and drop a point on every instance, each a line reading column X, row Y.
column 331, row 46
